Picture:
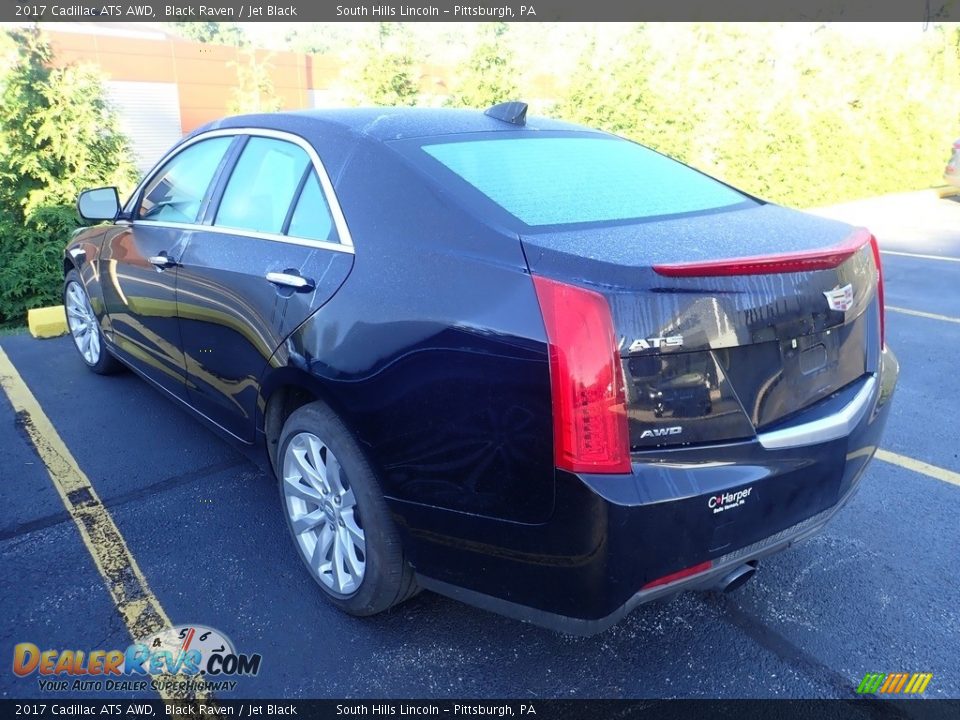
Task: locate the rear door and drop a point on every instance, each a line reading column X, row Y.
column 138, row 264
column 273, row 249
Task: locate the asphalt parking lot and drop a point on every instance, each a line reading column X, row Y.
column 877, row 591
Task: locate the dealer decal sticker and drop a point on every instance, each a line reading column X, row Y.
column 728, row 500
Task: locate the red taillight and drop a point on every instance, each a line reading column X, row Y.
column 589, row 407
column 805, row 261
column 679, row 575
column 875, row 247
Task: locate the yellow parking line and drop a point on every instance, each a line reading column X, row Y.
column 920, row 313
column 132, row 596
column 947, row 476
column 919, row 255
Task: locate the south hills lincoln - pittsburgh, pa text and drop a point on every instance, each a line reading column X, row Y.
column 463, row 11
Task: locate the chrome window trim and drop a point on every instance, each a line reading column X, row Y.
column 346, row 240
column 832, row 427
column 273, row 237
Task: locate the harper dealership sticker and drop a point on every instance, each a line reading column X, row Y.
column 185, row 658
column 728, row 500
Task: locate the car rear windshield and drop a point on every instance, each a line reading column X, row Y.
column 571, row 180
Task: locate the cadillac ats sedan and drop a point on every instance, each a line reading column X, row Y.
column 522, row 363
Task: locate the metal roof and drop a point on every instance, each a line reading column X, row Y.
column 389, row 123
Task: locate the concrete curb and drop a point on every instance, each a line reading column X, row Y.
column 47, row 322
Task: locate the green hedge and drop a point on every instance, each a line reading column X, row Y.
column 58, row 135
column 32, row 272
column 801, row 115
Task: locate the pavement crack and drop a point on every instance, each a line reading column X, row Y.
column 161, row 486
column 772, row 641
column 843, row 689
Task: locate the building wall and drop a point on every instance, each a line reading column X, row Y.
column 204, row 74
column 164, row 87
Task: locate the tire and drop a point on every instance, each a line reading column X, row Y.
column 84, row 327
column 325, row 509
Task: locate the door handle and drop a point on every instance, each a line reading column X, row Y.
column 161, row 261
column 297, row 282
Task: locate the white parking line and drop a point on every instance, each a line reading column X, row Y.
column 919, row 255
column 920, row 313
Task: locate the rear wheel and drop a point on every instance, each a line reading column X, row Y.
column 84, row 327
column 337, row 516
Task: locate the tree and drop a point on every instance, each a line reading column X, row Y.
column 389, row 76
column 799, row 114
column 319, row 38
column 390, row 80
column 487, row 76
column 58, row 135
column 222, row 33
column 59, row 132
column 254, row 91
column 615, row 90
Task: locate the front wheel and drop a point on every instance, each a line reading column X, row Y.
column 84, row 327
column 337, row 516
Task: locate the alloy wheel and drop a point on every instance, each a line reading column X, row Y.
column 323, row 514
column 83, row 323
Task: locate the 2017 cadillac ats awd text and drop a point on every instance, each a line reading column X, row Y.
column 526, row 364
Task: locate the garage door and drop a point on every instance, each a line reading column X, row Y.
column 149, row 116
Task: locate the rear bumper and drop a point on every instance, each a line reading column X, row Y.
column 702, row 581
column 613, row 539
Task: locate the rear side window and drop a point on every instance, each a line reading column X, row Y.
column 569, row 180
column 311, row 217
column 262, row 186
column 176, row 192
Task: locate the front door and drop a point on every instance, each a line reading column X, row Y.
column 139, row 264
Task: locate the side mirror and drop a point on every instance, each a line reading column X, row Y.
column 99, row 205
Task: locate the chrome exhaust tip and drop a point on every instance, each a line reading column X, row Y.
column 736, row 578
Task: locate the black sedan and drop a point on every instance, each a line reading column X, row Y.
column 526, row 364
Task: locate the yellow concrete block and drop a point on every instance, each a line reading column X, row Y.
column 47, row 322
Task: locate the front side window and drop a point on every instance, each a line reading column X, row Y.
column 262, row 186
column 176, row 192
column 552, row 181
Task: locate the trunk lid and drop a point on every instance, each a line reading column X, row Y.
column 718, row 357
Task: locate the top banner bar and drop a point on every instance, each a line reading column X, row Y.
column 441, row 11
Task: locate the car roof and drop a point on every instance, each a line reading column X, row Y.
column 385, row 124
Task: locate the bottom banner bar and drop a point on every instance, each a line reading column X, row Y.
column 540, row 709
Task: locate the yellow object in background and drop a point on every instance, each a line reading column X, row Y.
column 47, row 322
